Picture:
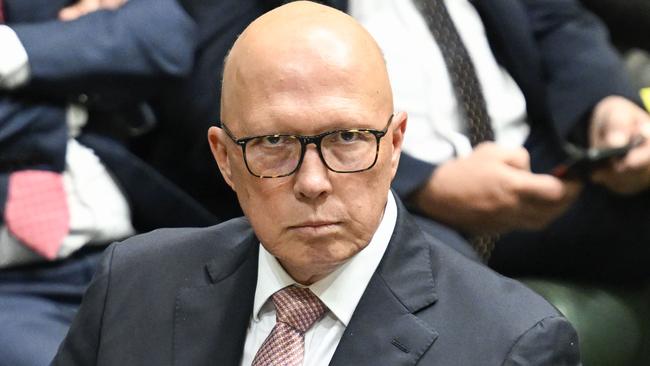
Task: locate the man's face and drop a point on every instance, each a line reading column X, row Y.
column 315, row 219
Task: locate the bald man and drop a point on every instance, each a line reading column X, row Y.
column 327, row 267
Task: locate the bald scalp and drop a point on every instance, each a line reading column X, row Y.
column 301, row 46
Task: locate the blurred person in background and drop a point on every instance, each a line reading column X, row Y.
column 544, row 74
column 68, row 183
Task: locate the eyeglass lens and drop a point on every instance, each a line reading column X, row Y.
column 342, row 151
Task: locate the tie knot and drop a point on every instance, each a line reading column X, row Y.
column 297, row 307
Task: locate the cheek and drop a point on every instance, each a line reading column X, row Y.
column 254, row 191
column 265, row 202
column 365, row 201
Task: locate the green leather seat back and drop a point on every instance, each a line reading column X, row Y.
column 613, row 322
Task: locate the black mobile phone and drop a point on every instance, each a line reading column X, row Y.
column 581, row 162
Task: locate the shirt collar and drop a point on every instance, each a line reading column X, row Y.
column 342, row 289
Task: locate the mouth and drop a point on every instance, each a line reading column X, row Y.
column 315, row 227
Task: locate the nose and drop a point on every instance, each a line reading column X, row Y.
column 312, row 178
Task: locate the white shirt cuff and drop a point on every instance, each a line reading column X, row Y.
column 14, row 65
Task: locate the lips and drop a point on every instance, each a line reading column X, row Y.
column 315, row 227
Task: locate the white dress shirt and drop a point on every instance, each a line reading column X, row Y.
column 340, row 291
column 421, row 83
column 14, row 68
column 99, row 212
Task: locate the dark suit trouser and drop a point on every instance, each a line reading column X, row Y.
column 37, row 304
column 603, row 237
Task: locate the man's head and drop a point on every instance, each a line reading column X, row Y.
column 307, row 69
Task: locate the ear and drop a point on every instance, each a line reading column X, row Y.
column 217, row 139
column 398, row 127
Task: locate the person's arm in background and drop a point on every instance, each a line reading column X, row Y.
column 122, row 54
column 588, row 85
column 29, row 135
column 628, row 21
column 492, row 190
column 84, row 7
column 614, row 122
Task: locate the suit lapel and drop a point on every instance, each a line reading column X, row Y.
column 211, row 319
column 384, row 328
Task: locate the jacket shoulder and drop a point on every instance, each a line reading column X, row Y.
column 496, row 315
column 180, row 247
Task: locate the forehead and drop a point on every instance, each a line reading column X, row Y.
column 307, row 116
column 303, row 87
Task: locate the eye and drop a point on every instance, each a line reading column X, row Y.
column 348, row 136
column 272, row 140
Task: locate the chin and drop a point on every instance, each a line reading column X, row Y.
column 331, row 253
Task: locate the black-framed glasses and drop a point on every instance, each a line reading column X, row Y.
column 342, row 151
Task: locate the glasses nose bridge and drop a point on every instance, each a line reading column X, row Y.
column 308, row 140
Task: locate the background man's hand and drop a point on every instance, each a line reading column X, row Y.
column 83, row 7
column 493, row 191
column 614, row 122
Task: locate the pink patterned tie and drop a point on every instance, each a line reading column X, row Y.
column 297, row 309
column 2, row 14
column 37, row 212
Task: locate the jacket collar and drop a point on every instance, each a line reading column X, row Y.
column 385, row 328
column 211, row 318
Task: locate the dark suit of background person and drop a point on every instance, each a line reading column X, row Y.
column 38, row 301
column 189, row 302
column 628, row 21
column 35, row 313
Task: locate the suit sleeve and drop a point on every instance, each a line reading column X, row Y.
column 550, row 342
column 412, row 173
column 628, row 20
column 143, row 40
column 81, row 345
column 32, row 135
column 580, row 65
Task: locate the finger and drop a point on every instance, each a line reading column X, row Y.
column 613, row 122
column 616, row 131
column 644, row 128
column 573, row 188
column 536, row 214
column 539, row 187
column 514, row 157
column 112, row 4
column 517, row 158
column 536, row 217
column 79, row 9
column 629, row 183
column 637, row 159
column 70, row 13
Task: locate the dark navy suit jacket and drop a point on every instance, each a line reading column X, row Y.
column 185, row 297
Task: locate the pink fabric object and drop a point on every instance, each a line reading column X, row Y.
column 2, row 14
column 37, row 211
column 297, row 309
